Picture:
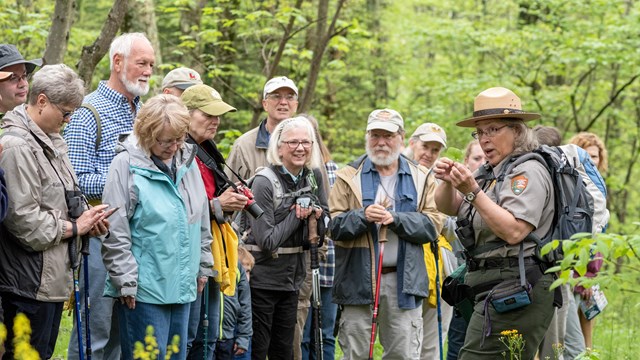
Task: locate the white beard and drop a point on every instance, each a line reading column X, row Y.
column 383, row 160
column 134, row 88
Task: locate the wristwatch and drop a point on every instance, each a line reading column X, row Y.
column 471, row 196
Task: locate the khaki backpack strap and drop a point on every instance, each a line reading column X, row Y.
column 98, row 124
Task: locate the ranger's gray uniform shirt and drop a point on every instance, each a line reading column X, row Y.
column 527, row 193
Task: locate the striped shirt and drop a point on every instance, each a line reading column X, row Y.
column 116, row 117
column 327, row 268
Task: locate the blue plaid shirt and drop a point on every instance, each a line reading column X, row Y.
column 116, row 117
column 327, row 268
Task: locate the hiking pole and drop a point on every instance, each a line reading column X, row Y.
column 84, row 250
column 316, row 316
column 75, row 269
column 434, row 249
column 205, row 321
column 382, row 238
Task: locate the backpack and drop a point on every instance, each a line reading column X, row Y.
column 573, row 204
column 240, row 222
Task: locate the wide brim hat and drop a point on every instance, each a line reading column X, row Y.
column 496, row 103
column 206, row 99
column 9, row 55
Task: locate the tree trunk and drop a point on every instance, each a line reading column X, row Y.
column 271, row 66
column 141, row 17
column 92, row 54
column 322, row 38
column 58, row 38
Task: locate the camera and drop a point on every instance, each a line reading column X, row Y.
column 75, row 201
column 251, row 207
column 304, row 202
column 465, row 233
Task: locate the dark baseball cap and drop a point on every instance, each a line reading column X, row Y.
column 9, row 55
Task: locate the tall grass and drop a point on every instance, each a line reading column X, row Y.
column 615, row 335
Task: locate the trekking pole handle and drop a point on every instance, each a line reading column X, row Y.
column 84, row 250
column 314, row 239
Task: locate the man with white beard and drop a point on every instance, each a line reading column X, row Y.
column 382, row 188
column 91, row 136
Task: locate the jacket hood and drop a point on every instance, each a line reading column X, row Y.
column 129, row 143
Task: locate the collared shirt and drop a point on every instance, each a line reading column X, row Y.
column 327, row 268
column 293, row 177
column 116, row 117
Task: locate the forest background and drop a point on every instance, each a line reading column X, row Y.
column 573, row 61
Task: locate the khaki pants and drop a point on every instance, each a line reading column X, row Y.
column 399, row 331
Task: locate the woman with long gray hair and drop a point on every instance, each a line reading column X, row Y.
column 276, row 239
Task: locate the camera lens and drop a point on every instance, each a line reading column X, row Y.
column 254, row 209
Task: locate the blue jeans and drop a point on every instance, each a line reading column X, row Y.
column 455, row 336
column 246, row 355
column 195, row 345
column 167, row 321
column 328, row 314
column 105, row 342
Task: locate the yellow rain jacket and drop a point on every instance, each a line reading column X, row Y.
column 224, row 248
column 430, row 261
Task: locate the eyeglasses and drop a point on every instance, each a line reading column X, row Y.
column 293, row 144
column 167, row 144
column 15, row 78
column 488, row 132
column 385, row 137
column 65, row 114
column 279, row 97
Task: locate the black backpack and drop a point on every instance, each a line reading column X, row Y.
column 573, row 204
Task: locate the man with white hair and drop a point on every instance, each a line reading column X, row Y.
column 382, row 190
column 91, row 136
column 249, row 151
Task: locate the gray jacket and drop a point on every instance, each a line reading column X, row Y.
column 34, row 257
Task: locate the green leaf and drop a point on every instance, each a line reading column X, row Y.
column 454, row 154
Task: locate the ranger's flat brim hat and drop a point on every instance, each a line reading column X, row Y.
column 9, row 55
column 496, row 103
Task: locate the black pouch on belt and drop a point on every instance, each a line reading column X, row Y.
column 458, row 294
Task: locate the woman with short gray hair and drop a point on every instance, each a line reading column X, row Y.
column 47, row 212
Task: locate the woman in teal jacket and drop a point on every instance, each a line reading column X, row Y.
column 158, row 253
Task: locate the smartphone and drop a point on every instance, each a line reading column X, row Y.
column 111, row 211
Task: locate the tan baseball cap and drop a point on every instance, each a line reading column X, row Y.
column 206, row 99
column 182, row 78
column 385, row 119
column 431, row 132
